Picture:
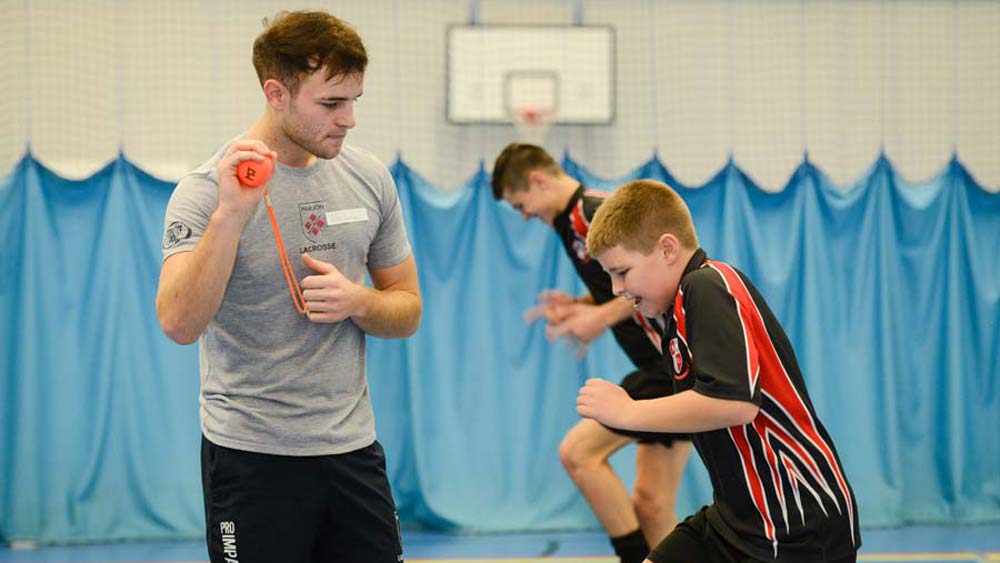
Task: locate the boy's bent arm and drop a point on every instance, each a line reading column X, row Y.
column 192, row 284
column 690, row 411
column 687, row 411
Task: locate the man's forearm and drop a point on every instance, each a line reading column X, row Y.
column 389, row 313
column 190, row 294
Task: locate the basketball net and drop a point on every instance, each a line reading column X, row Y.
column 533, row 123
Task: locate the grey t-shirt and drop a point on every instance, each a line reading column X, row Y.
column 271, row 380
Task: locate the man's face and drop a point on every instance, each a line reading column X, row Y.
column 531, row 203
column 648, row 280
column 322, row 111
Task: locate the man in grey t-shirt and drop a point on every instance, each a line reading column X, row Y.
column 291, row 469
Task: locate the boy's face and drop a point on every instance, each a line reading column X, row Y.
column 533, row 202
column 650, row 281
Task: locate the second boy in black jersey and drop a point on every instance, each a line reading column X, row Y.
column 530, row 180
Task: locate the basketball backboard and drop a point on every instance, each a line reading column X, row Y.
column 494, row 71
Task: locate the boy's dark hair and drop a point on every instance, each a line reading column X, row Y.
column 296, row 44
column 515, row 163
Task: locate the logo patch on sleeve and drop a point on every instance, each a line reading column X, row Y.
column 175, row 233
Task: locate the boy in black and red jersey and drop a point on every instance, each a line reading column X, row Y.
column 528, row 178
column 780, row 491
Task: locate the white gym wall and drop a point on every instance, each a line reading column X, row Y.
column 699, row 79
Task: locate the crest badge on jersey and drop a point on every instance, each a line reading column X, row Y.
column 312, row 217
column 678, row 358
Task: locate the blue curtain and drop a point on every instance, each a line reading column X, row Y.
column 890, row 292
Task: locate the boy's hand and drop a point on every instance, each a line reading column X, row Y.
column 604, row 402
column 555, row 297
column 552, row 305
column 581, row 321
column 578, row 322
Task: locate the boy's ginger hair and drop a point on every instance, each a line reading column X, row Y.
column 636, row 215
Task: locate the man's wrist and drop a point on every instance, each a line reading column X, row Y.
column 227, row 219
column 363, row 301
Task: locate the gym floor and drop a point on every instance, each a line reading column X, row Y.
column 968, row 544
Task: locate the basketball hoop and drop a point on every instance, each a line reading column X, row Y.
column 533, row 123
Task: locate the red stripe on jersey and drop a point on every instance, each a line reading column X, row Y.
column 795, row 478
column 579, row 221
column 746, row 322
column 767, row 425
column 651, row 333
column 753, row 482
column 776, row 381
column 772, row 464
column 767, row 429
column 680, row 317
column 680, row 322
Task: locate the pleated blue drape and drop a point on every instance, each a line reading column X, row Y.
column 890, row 292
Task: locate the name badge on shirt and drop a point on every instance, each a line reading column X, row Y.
column 342, row 216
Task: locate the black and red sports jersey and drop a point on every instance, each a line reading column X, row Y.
column 636, row 336
column 780, row 492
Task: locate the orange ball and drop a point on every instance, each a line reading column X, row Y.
column 253, row 173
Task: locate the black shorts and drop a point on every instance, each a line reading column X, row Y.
column 267, row 508
column 649, row 382
column 695, row 541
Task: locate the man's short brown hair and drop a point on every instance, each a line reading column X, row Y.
column 515, row 163
column 296, row 44
column 635, row 217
